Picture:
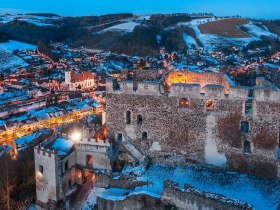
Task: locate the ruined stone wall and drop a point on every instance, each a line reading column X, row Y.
column 146, row 75
column 135, row 202
column 104, row 181
column 192, row 198
column 101, row 156
column 195, row 78
column 212, row 137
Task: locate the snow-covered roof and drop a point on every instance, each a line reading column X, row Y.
column 62, row 146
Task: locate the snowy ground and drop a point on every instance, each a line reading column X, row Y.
column 260, row 193
column 12, row 45
column 190, row 41
column 123, row 27
column 257, row 31
column 211, row 41
column 36, row 20
column 10, row 61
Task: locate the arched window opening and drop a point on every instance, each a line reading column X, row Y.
column 128, row 117
column 139, row 119
column 144, row 136
column 210, row 105
column 247, row 146
column 183, row 103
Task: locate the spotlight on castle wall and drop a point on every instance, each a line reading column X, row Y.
column 76, row 136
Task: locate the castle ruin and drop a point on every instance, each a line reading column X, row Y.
column 197, row 117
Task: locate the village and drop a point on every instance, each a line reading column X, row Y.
column 89, row 117
column 43, row 94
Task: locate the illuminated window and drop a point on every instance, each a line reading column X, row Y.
column 89, row 159
column 128, row 117
column 41, row 169
column 210, row 105
column 247, row 146
column 139, row 119
column 144, row 136
column 183, row 103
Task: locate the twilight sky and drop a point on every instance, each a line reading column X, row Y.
column 269, row 9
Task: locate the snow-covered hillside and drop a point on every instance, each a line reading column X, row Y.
column 258, row 31
column 36, row 20
column 212, row 41
column 10, row 61
column 123, row 27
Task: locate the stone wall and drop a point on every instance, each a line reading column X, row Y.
column 191, row 198
column 104, row 181
column 146, row 75
column 47, row 187
column 195, row 78
column 200, row 135
column 133, row 202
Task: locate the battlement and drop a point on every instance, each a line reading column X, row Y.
column 133, row 87
column 217, row 91
column 90, row 141
column 46, row 152
column 171, row 188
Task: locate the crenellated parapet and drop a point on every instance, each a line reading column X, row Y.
column 198, row 89
column 262, row 94
column 46, row 152
column 133, row 87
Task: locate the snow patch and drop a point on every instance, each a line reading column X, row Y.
column 126, row 27
column 257, row 31
column 212, row 156
column 190, row 41
column 12, row 45
column 155, row 146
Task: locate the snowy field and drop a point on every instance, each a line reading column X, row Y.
column 257, row 31
column 10, row 61
column 123, row 27
column 260, row 193
column 12, row 45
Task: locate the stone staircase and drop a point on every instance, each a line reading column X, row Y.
column 135, row 153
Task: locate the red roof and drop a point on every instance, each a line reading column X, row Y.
column 81, row 77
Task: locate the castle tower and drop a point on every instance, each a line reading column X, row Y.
column 47, row 177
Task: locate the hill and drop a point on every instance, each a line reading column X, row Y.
column 226, row 28
column 138, row 34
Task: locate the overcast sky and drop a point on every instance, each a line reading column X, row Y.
column 269, row 9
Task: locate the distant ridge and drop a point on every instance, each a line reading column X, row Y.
column 44, row 14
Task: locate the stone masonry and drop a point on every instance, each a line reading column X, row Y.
column 161, row 127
